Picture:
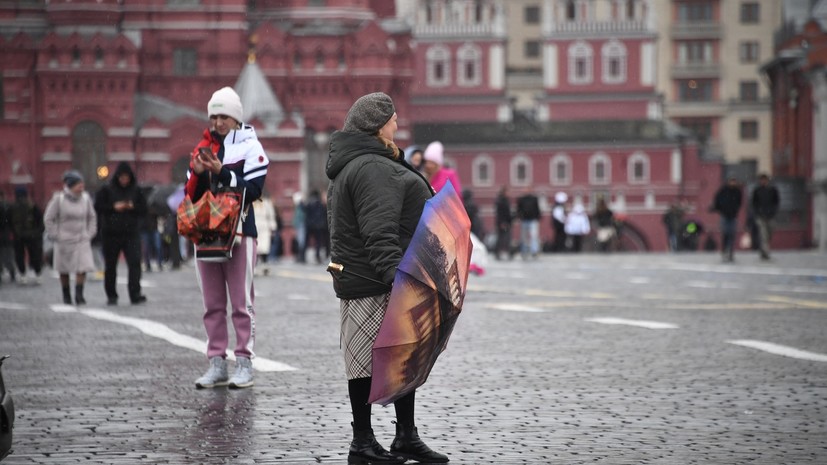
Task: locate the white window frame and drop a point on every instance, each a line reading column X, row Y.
column 469, row 54
column 613, row 49
column 515, row 162
column 642, row 158
column 552, row 175
column 581, row 50
column 607, row 169
column 436, row 55
column 480, row 160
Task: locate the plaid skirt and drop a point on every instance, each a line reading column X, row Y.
column 361, row 319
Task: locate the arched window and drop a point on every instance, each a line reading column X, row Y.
column 438, row 65
column 560, row 170
column 89, row 152
column 638, row 168
column 319, row 60
column 469, row 65
column 521, row 172
column 580, row 63
column 613, row 56
column 98, row 57
column 600, row 169
column 483, row 171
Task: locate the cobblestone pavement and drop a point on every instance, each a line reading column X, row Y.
column 594, row 359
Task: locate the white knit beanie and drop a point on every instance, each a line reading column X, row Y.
column 225, row 101
column 434, row 152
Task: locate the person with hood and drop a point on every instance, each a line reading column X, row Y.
column 229, row 155
column 413, row 155
column 434, row 170
column 71, row 223
column 121, row 208
column 375, row 201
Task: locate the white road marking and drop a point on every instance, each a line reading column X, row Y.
column 778, row 349
column 639, row 280
column 164, row 332
column 640, row 323
column 516, row 308
column 13, row 306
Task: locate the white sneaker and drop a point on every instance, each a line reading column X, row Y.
column 215, row 376
column 243, row 376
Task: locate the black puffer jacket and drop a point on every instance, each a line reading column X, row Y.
column 374, row 205
column 126, row 222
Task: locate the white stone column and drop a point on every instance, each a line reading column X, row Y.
column 819, row 179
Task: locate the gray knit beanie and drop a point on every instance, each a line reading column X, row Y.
column 369, row 113
column 71, row 178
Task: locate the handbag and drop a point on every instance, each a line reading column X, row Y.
column 213, row 223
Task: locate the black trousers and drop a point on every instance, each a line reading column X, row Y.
column 130, row 245
column 33, row 247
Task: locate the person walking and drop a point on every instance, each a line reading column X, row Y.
column 266, row 226
column 765, row 201
column 121, row 207
column 605, row 221
column 6, row 241
column 558, row 221
column 577, row 226
column 374, row 205
column 299, row 228
column 504, row 218
column 728, row 203
column 316, row 224
column 673, row 221
column 71, row 223
column 27, row 228
column 229, row 155
column 528, row 211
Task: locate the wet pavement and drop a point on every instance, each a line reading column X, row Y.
column 606, row 359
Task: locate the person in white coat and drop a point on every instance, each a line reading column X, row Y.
column 267, row 226
column 577, row 226
column 71, row 223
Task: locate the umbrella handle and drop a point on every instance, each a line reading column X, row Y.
column 337, row 269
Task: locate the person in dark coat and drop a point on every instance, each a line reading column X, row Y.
column 728, row 203
column 375, row 201
column 121, row 208
column 765, row 202
column 504, row 218
column 528, row 211
column 315, row 221
column 6, row 242
column 27, row 227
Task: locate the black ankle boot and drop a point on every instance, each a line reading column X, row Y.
column 67, row 295
column 365, row 450
column 408, row 445
column 79, row 295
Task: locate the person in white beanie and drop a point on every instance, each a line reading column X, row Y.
column 434, row 168
column 558, row 221
column 229, row 155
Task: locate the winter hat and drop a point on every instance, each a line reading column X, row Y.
column 225, row 101
column 561, row 197
column 369, row 113
column 410, row 151
column 72, row 178
column 434, row 152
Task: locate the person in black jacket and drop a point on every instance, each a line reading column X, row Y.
column 121, row 207
column 374, row 204
column 728, row 204
column 765, row 201
column 528, row 211
column 504, row 219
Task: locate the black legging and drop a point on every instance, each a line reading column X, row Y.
column 359, row 390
